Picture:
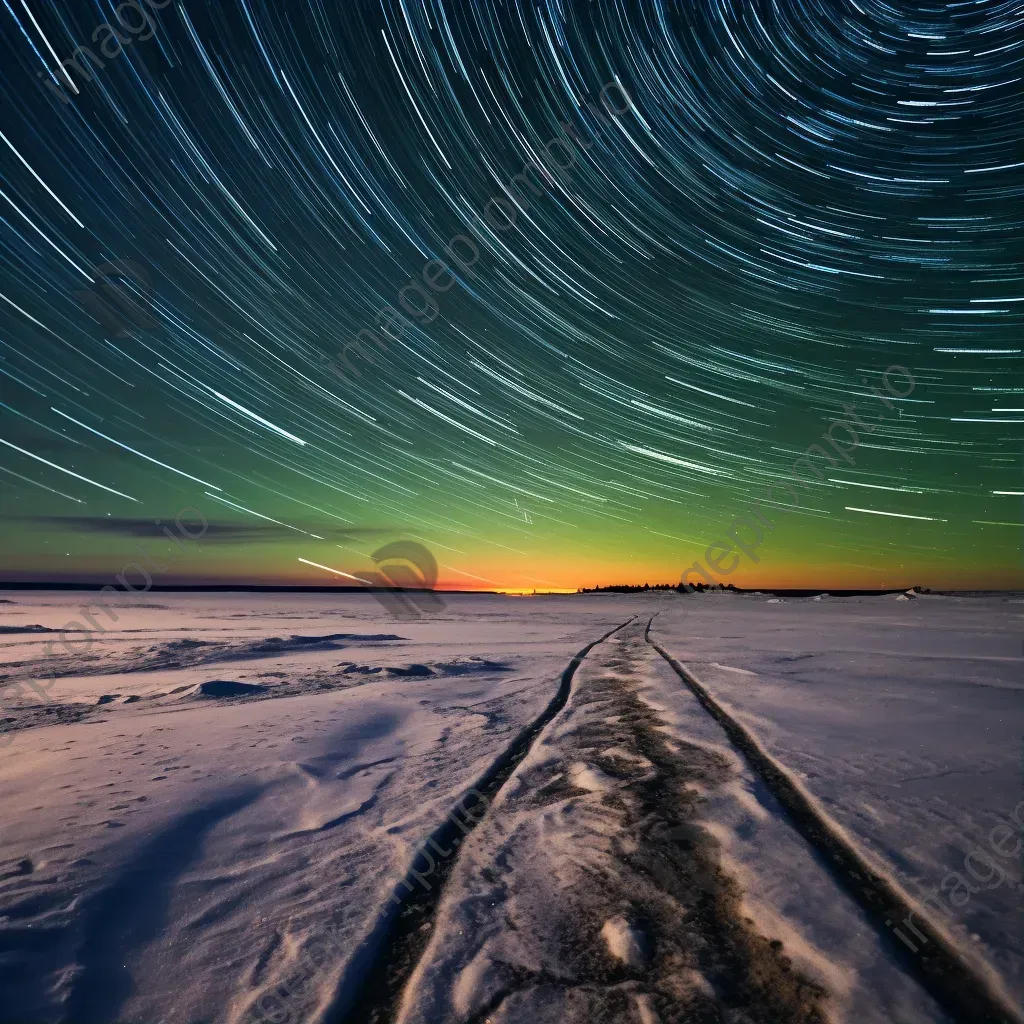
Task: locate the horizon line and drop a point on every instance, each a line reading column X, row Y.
column 32, row 585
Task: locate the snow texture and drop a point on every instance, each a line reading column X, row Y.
column 209, row 807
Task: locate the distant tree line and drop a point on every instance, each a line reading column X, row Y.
column 624, row 588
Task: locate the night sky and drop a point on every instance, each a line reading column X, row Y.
column 753, row 212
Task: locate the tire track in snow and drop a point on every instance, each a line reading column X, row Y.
column 968, row 993
column 594, row 893
column 372, row 984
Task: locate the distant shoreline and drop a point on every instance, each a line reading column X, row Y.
column 234, row 588
column 624, row 589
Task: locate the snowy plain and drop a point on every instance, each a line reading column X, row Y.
column 905, row 718
column 208, row 817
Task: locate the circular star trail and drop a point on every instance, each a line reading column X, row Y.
column 202, row 206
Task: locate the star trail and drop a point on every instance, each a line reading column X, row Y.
column 614, row 264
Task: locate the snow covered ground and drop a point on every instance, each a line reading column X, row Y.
column 268, row 807
column 905, row 718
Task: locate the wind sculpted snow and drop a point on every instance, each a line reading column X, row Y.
column 220, row 838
